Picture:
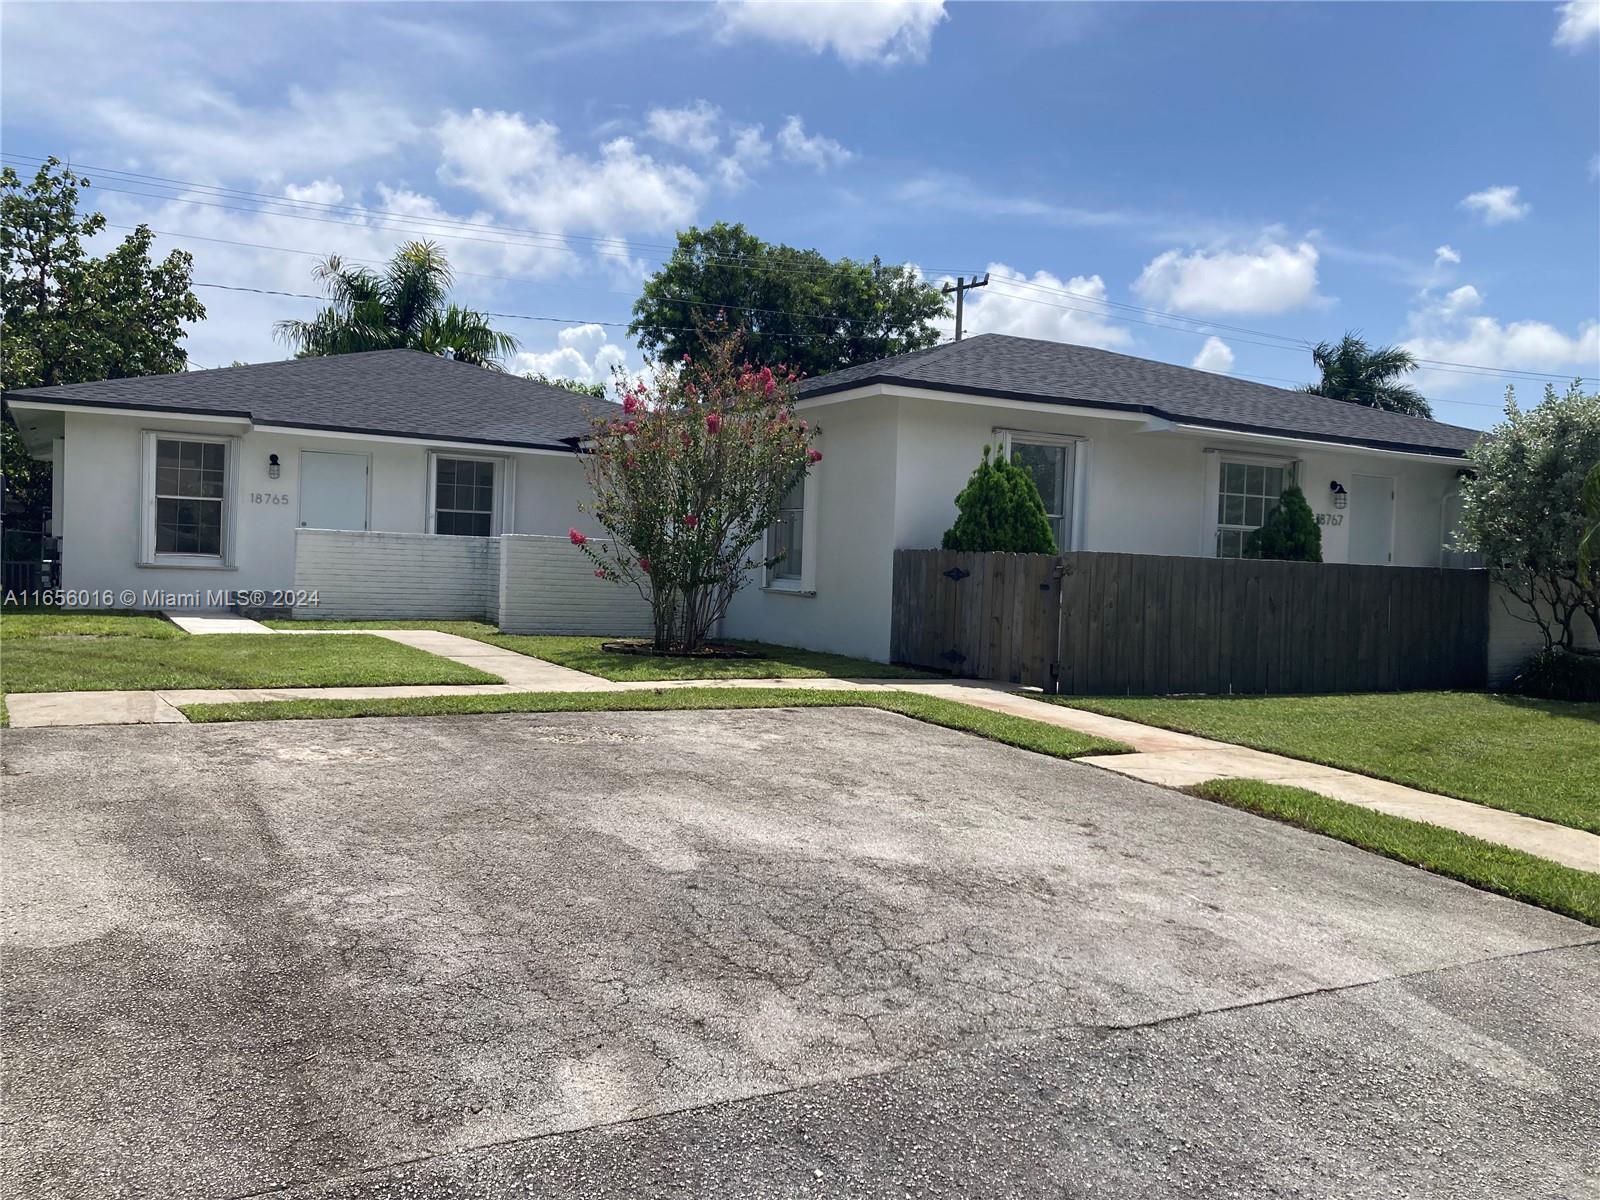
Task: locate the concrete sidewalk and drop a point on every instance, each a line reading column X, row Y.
column 1159, row 756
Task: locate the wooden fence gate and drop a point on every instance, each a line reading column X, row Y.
column 1140, row 624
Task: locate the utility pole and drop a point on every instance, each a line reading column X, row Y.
column 961, row 287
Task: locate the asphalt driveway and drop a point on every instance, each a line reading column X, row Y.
column 790, row 953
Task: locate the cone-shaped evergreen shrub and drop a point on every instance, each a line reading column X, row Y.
column 1290, row 531
column 1000, row 510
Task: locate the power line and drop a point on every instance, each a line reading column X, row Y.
column 618, row 247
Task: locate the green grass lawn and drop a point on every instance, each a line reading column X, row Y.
column 1000, row 727
column 86, row 624
column 1540, row 758
column 136, row 662
column 584, row 654
column 1485, row 865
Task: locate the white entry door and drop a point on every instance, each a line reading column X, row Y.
column 333, row 490
column 1372, row 520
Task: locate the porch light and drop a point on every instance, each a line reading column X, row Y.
column 1340, row 496
column 272, row 466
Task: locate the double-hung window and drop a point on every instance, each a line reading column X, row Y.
column 1246, row 493
column 464, row 496
column 786, row 537
column 188, row 497
column 1052, row 463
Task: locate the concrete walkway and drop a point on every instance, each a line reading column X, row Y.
column 201, row 623
column 1159, row 756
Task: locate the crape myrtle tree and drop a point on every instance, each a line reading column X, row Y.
column 1000, row 509
column 1524, row 509
column 686, row 476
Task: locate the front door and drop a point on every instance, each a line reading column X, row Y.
column 333, row 490
column 1372, row 520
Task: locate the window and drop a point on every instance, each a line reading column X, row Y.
column 1051, row 464
column 190, row 492
column 1247, row 493
column 463, row 496
column 786, row 536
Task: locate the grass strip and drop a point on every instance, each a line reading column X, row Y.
column 1485, row 865
column 1000, row 727
column 1539, row 758
column 57, row 623
column 243, row 660
column 584, row 654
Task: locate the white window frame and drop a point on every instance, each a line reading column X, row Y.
column 1077, row 464
column 148, row 556
column 806, row 584
column 1215, row 457
column 500, row 520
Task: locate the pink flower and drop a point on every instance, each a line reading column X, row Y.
column 814, row 455
column 630, row 404
column 577, row 538
column 644, row 565
column 691, row 520
column 685, row 358
column 713, row 422
column 599, row 573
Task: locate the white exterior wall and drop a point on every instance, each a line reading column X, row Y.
column 396, row 576
column 102, row 504
column 547, row 585
column 850, row 512
column 893, row 465
column 1512, row 640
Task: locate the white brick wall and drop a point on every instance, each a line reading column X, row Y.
column 397, row 576
column 1513, row 641
column 547, row 585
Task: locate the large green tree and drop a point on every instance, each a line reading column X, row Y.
column 1353, row 371
column 69, row 317
column 1524, row 509
column 797, row 307
column 402, row 307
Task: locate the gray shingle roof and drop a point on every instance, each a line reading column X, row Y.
column 1016, row 368
column 402, row 393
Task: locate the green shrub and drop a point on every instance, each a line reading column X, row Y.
column 1557, row 674
column 1290, row 531
column 1000, row 510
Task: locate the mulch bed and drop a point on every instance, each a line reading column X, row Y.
column 709, row 650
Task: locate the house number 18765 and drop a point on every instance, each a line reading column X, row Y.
column 269, row 497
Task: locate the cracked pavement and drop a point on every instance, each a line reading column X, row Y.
column 767, row 952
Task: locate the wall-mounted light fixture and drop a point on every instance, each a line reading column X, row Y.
column 1340, row 496
column 272, row 466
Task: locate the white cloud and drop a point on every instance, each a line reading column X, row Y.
column 1579, row 24
column 1446, row 255
column 810, row 149
column 1452, row 328
column 692, row 128
column 1026, row 311
column 751, row 152
column 1215, row 355
column 201, row 132
column 1269, row 279
column 582, row 352
column 523, row 169
column 885, row 32
column 1498, row 204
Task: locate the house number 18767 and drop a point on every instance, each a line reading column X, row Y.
column 269, row 497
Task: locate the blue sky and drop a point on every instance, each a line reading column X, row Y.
column 1200, row 183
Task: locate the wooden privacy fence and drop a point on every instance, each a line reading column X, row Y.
column 1142, row 624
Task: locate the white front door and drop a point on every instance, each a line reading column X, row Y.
column 333, row 490
column 1372, row 520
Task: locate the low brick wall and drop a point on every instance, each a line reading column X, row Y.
column 396, row 576
column 547, row 585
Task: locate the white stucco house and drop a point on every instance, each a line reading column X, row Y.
column 1130, row 455
column 226, row 479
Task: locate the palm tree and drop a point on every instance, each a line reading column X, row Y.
column 401, row 307
column 1355, row 372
